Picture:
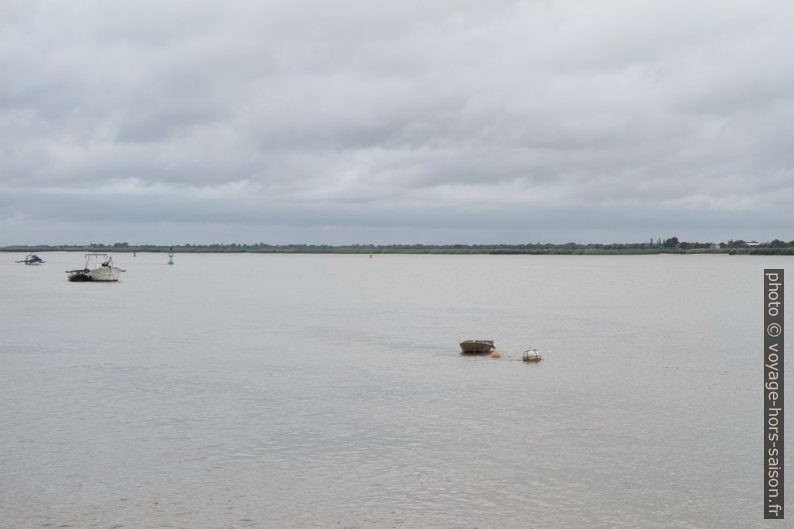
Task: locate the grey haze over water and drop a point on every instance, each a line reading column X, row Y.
column 339, row 122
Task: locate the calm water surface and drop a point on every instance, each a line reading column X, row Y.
column 292, row 391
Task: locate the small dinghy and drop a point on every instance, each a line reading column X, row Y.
column 532, row 355
column 98, row 267
column 32, row 259
column 476, row 347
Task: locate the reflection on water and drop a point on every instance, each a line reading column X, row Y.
column 327, row 391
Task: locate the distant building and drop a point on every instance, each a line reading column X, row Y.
column 714, row 246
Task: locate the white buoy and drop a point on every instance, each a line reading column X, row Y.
column 532, row 355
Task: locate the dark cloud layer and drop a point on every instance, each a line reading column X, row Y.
column 387, row 122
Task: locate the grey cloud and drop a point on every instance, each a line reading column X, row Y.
column 337, row 120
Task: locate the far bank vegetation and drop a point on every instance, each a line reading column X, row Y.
column 670, row 245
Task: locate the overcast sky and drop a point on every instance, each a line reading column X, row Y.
column 401, row 121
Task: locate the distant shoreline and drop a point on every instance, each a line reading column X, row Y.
column 617, row 249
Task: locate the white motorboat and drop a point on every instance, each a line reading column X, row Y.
column 98, row 267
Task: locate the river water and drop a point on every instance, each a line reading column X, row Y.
column 297, row 391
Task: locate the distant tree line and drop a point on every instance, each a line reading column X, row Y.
column 668, row 245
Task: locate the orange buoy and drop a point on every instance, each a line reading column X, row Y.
column 496, row 354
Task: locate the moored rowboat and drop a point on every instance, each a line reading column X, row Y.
column 476, row 347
